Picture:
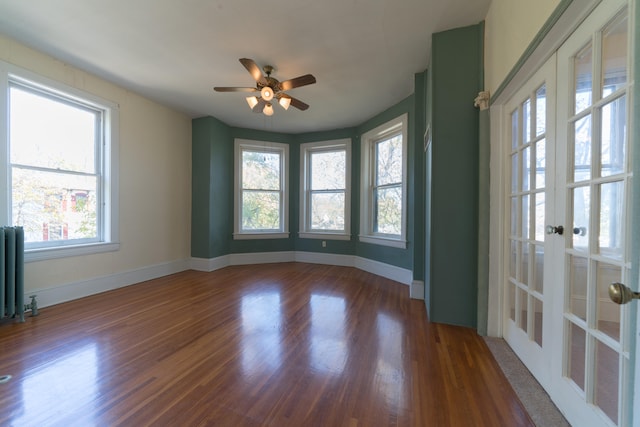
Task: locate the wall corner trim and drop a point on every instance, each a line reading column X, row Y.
column 417, row 290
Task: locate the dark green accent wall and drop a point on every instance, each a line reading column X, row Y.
column 212, row 205
column 212, row 164
column 453, row 177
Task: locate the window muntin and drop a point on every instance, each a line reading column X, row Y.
column 261, row 190
column 384, row 184
column 57, row 115
column 325, row 189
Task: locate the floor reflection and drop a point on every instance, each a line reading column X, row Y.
column 390, row 371
column 68, row 383
column 261, row 332
column 329, row 350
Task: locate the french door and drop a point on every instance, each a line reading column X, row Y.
column 568, row 208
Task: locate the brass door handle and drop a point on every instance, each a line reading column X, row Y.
column 621, row 294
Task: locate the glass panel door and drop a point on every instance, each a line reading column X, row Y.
column 592, row 198
column 531, row 118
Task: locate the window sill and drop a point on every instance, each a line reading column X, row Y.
column 253, row 236
column 384, row 241
column 323, row 235
column 43, row 254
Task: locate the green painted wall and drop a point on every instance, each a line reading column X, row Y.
column 212, row 165
column 212, row 222
column 417, row 158
column 453, row 177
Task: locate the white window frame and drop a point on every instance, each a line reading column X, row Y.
column 399, row 125
column 107, row 227
column 306, row 150
column 241, row 145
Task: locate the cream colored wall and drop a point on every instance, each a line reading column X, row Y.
column 154, row 175
column 510, row 26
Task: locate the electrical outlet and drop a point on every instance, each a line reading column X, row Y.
column 324, row 244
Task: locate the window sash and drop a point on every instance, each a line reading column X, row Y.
column 96, row 173
column 308, row 227
column 242, row 228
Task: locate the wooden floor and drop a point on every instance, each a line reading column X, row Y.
column 269, row 345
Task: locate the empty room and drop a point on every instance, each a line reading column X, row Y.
column 339, row 213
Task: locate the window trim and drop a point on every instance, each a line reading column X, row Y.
column 283, row 149
column 109, row 231
column 368, row 142
column 306, row 150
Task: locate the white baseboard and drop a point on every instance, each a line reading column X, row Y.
column 417, row 290
column 378, row 268
column 391, row 272
column 68, row 292
column 84, row 288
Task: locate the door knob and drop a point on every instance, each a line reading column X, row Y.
column 581, row 231
column 552, row 229
column 621, row 294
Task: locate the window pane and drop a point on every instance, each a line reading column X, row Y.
column 576, row 359
column 583, row 79
column 514, row 173
column 327, row 211
column 581, row 209
column 614, row 56
column 541, row 110
column 328, row 170
column 614, row 121
column 578, row 280
column 526, row 121
column 526, row 168
column 582, row 149
column 47, row 132
column 537, row 321
column 607, row 380
column 541, row 155
column 611, row 205
column 539, row 219
column 260, row 170
column 608, row 314
column 54, row 206
column 389, row 161
column 260, row 210
column 514, row 129
column 388, row 210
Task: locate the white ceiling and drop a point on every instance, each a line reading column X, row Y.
column 363, row 53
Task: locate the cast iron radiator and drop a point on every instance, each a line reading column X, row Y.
column 12, row 272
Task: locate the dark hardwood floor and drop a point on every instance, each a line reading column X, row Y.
column 267, row 345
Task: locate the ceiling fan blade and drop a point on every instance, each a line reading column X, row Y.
column 307, row 79
column 259, row 106
column 297, row 103
column 254, row 70
column 235, row 89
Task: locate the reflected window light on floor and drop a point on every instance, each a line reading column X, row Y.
column 69, row 381
column 261, row 332
column 329, row 350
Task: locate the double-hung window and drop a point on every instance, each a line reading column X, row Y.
column 261, row 190
column 325, row 189
column 59, row 182
column 384, row 184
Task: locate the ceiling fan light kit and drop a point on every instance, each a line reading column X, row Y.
column 269, row 89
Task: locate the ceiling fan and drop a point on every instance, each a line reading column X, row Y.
column 269, row 89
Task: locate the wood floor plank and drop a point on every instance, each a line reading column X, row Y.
column 288, row 344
